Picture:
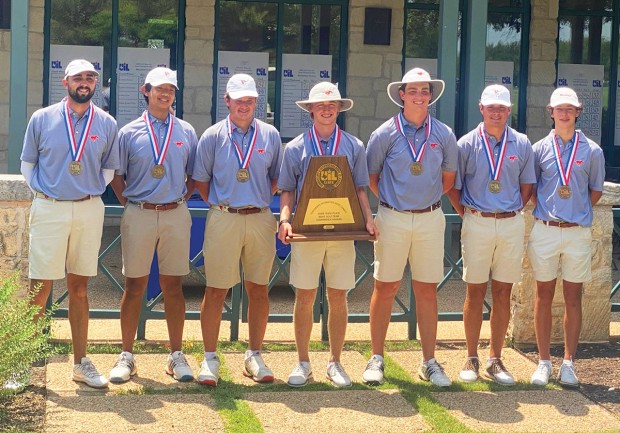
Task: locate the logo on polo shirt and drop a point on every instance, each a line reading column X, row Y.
column 328, row 176
column 434, row 145
column 94, row 137
column 261, row 151
column 178, row 143
column 513, row 157
column 579, row 162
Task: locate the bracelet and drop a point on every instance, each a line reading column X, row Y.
column 283, row 222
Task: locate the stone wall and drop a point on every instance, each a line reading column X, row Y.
column 15, row 199
column 35, row 74
column 199, row 52
column 596, row 303
column 541, row 74
column 370, row 68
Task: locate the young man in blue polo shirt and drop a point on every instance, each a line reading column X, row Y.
column 69, row 156
column 570, row 169
column 494, row 181
column 337, row 258
column 236, row 169
column 155, row 178
column 412, row 160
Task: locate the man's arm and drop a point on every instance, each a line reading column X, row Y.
column 203, row 190
column 287, row 199
column 190, row 184
column 595, row 196
column 533, row 197
column 454, row 195
column 274, row 186
column 526, row 192
column 371, row 228
column 447, row 180
column 118, row 185
column 374, row 184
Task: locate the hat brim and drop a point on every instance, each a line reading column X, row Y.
column 568, row 103
column 496, row 102
column 74, row 73
column 393, row 90
column 242, row 94
column 346, row 105
column 156, row 83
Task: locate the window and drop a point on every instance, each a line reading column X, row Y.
column 5, row 14
column 286, row 46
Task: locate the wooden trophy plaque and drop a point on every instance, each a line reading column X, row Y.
column 328, row 207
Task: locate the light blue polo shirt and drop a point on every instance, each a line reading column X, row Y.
column 299, row 151
column 588, row 173
column 137, row 160
column 389, row 156
column 474, row 175
column 217, row 163
column 46, row 145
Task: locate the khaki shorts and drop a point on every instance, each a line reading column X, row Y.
column 144, row 231
column 492, row 247
column 550, row 246
column 65, row 237
column 233, row 237
column 404, row 236
column 336, row 257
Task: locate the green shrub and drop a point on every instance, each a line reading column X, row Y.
column 22, row 341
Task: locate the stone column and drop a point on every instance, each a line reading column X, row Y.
column 596, row 304
column 15, row 199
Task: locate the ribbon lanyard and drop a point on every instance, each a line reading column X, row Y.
column 417, row 156
column 244, row 160
column 159, row 155
column 316, row 142
column 495, row 167
column 565, row 174
column 77, row 149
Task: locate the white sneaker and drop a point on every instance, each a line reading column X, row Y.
column 470, row 371
column 336, row 373
column 86, row 372
column 209, row 372
column 300, row 374
column 178, row 367
column 373, row 375
column 433, row 372
column 256, row 369
column 124, row 368
column 567, row 375
column 542, row 373
column 495, row 370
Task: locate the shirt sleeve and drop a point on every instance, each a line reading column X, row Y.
column 276, row 163
column 360, row 165
column 204, row 159
column 123, row 150
column 461, row 165
column 111, row 155
column 287, row 180
column 528, row 172
column 450, row 153
column 30, row 150
column 376, row 151
column 597, row 169
column 193, row 144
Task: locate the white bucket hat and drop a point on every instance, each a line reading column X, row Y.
column 495, row 94
column 564, row 95
column 78, row 66
column 241, row 86
column 323, row 92
column 416, row 75
column 158, row 76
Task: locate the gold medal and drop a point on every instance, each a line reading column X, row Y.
column 564, row 192
column 495, row 186
column 416, row 168
column 75, row 168
column 158, row 171
column 243, row 175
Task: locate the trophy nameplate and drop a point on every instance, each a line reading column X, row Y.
column 328, row 207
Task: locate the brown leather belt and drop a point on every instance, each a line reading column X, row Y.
column 496, row 215
column 47, row 197
column 431, row 208
column 560, row 224
column 241, row 210
column 156, row 207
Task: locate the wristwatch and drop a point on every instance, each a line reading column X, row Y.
column 282, row 222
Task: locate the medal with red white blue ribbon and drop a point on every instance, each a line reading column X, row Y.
column 77, row 149
column 316, row 141
column 495, row 167
column 416, row 166
column 159, row 154
column 243, row 174
column 564, row 191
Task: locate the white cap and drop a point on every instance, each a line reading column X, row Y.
column 324, row 92
column 416, row 75
column 564, row 95
column 240, row 86
column 78, row 66
column 158, row 76
column 495, row 94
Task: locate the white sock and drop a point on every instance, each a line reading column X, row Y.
column 210, row 355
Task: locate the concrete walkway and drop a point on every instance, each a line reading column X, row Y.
column 153, row 402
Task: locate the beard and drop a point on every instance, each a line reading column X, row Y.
column 80, row 99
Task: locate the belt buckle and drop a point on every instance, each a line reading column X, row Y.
column 159, row 207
